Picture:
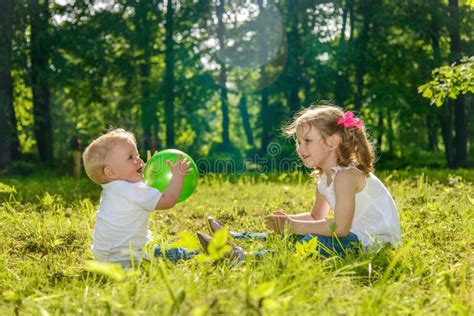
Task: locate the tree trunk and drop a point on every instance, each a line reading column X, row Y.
column 264, row 95
column 39, row 19
column 361, row 51
column 245, row 119
column 432, row 128
column 169, row 77
column 223, row 76
column 293, row 72
column 340, row 89
column 380, row 130
column 15, row 151
column 143, row 41
column 434, row 116
column 446, row 122
column 460, row 122
column 351, row 20
column 390, row 133
column 6, row 82
column 265, row 118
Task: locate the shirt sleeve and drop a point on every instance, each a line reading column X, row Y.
column 144, row 196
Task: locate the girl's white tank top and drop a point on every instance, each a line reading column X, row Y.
column 375, row 217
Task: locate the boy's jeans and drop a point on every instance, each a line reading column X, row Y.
column 176, row 254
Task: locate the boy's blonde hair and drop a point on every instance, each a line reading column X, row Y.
column 96, row 154
column 354, row 147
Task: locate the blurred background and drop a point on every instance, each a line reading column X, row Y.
column 219, row 79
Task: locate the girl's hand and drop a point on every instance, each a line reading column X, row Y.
column 180, row 168
column 277, row 223
column 280, row 213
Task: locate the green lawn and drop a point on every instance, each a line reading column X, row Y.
column 46, row 225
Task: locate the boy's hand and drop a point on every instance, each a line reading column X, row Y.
column 149, row 155
column 181, row 167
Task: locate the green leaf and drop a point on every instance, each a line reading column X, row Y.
column 4, row 188
column 263, row 290
column 449, row 82
column 427, row 92
column 110, row 270
column 11, row 296
column 308, row 248
column 186, row 240
column 218, row 246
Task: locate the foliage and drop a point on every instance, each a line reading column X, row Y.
column 46, row 225
column 108, row 67
column 450, row 82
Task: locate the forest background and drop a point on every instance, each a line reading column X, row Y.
column 219, row 79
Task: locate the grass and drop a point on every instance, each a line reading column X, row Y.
column 46, row 226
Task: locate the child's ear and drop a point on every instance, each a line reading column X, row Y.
column 109, row 172
column 333, row 141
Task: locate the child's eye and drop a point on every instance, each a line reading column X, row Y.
column 130, row 157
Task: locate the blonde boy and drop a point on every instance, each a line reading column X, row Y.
column 121, row 227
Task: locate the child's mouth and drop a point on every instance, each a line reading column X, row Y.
column 140, row 170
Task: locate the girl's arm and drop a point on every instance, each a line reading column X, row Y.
column 318, row 212
column 320, row 208
column 345, row 186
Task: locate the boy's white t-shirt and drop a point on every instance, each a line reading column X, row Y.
column 122, row 220
column 375, row 216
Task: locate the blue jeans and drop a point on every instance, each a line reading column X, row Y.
column 327, row 245
column 176, row 254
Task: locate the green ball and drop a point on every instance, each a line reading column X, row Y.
column 158, row 174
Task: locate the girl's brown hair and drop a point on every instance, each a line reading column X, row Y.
column 355, row 147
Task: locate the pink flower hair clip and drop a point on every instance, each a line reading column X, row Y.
column 349, row 120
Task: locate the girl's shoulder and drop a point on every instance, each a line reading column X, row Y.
column 350, row 176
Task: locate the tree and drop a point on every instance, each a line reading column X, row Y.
column 169, row 75
column 223, row 76
column 39, row 20
column 341, row 53
column 6, row 81
column 293, row 70
column 245, row 119
column 144, row 37
column 460, row 123
column 451, row 82
column 366, row 9
column 264, row 95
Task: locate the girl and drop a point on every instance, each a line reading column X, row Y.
column 334, row 144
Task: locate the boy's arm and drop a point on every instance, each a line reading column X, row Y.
column 171, row 194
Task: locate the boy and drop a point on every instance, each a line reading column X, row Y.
column 121, row 227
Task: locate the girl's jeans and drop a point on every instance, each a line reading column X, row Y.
column 326, row 245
